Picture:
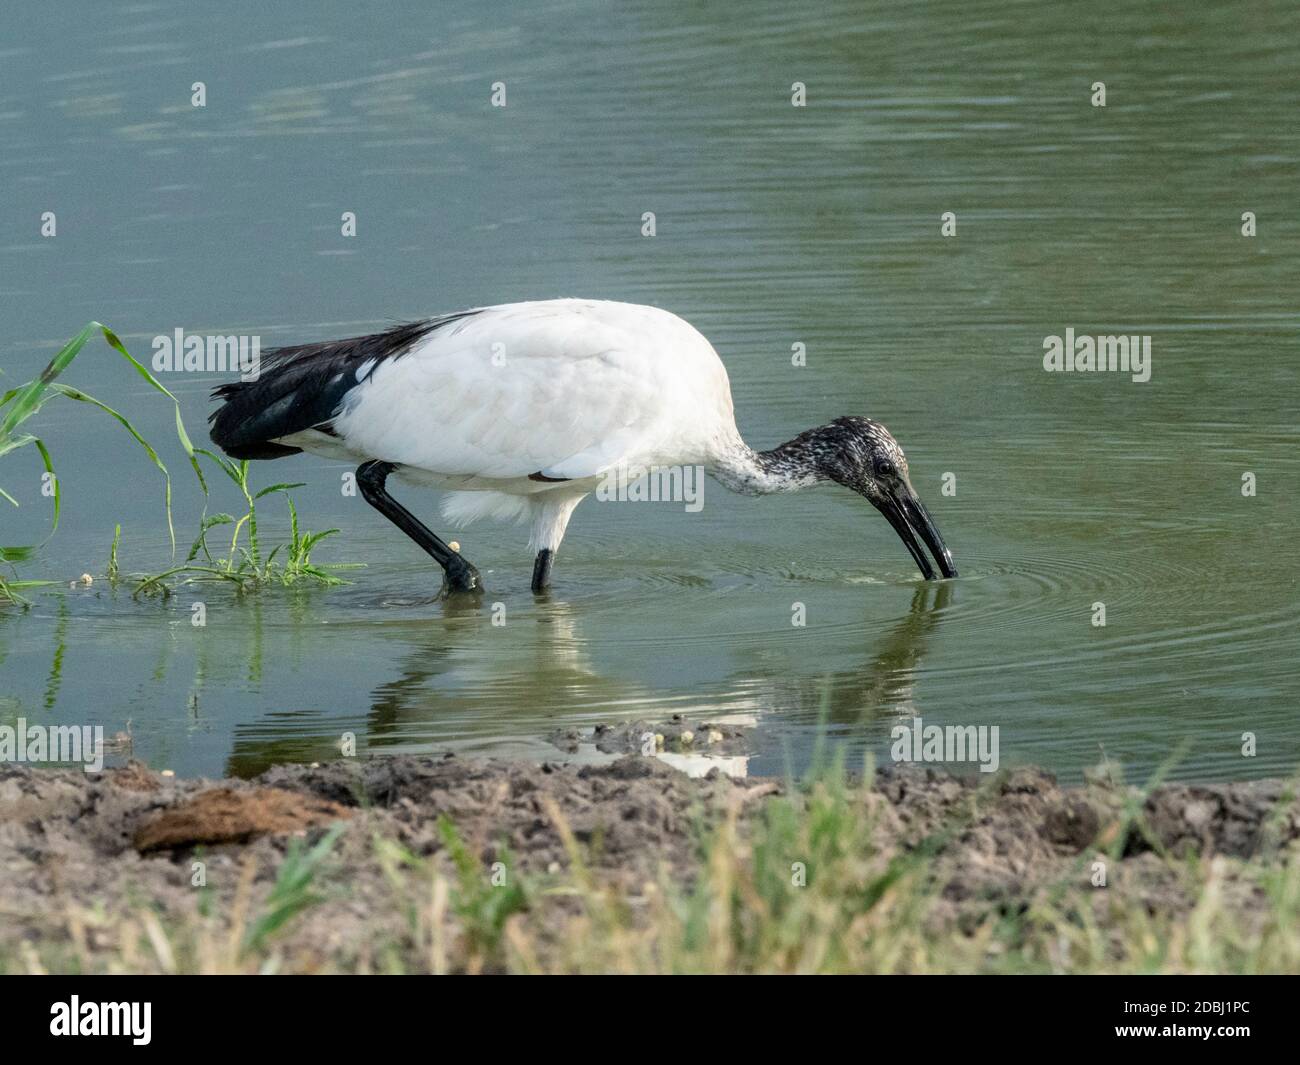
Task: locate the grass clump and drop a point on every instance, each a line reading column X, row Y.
column 293, row 892
column 21, row 403
column 245, row 566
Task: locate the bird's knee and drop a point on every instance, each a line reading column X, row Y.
column 371, row 477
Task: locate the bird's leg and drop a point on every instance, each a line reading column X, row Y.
column 459, row 575
column 542, row 570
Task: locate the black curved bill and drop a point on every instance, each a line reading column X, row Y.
column 908, row 516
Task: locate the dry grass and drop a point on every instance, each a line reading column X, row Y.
column 853, row 906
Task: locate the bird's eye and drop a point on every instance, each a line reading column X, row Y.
column 884, row 468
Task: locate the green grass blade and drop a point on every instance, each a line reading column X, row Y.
column 19, row 404
column 226, row 466
column 181, row 434
column 83, row 397
column 279, row 488
column 48, row 462
column 27, row 400
column 112, row 554
column 54, row 479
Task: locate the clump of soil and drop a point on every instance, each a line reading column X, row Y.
column 224, row 815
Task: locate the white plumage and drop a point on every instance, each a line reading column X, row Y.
column 565, row 389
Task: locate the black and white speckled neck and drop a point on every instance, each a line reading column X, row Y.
column 842, row 451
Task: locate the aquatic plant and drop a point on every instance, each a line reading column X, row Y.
column 244, row 565
column 20, row 404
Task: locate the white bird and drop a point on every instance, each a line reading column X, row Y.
column 520, row 410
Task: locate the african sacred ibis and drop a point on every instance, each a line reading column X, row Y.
column 519, row 410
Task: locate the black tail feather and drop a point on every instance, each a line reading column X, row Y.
column 302, row 387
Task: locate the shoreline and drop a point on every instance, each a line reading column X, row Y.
column 447, row 863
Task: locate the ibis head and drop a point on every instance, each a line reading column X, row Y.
column 863, row 455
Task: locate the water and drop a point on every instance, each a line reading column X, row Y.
column 776, row 225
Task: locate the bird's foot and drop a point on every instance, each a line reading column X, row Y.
column 460, row 577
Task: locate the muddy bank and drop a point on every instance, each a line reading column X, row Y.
column 84, row 856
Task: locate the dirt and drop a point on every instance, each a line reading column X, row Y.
column 74, row 842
